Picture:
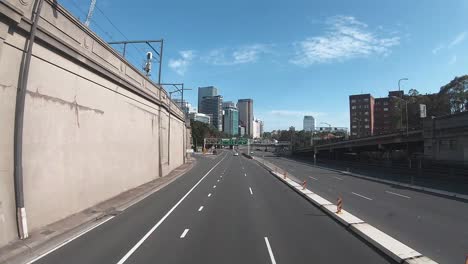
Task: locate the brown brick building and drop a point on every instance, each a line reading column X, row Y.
column 373, row 116
column 386, row 113
column 361, row 109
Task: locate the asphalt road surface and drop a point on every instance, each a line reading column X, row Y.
column 227, row 209
column 435, row 226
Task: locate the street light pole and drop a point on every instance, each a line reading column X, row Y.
column 406, row 108
column 399, row 88
column 407, row 127
column 329, row 126
column 402, row 79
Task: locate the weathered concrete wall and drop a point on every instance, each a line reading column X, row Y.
column 94, row 126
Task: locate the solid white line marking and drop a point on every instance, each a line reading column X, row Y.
column 67, row 241
column 138, row 244
column 397, row 194
column 214, row 186
column 273, row 261
column 245, row 174
column 209, row 194
column 362, row 196
column 184, row 233
column 313, row 178
column 201, row 208
column 251, row 191
column 338, row 178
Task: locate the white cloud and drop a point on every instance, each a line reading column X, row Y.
column 181, row 64
column 458, row 39
column 346, row 38
column 244, row 54
column 453, row 60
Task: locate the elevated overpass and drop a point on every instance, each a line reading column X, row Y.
column 412, row 142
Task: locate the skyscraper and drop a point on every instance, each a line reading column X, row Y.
column 309, row 123
column 206, row 91
column 257, row 128
column 184, row 105
column 230, row 119
column 213, row 107
column 246, row 118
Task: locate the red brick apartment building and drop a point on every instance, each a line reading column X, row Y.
column 373, row 116
column 361, row 110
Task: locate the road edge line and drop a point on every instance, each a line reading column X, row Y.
column 357, row 226
column 406, row 185
column 68, row 240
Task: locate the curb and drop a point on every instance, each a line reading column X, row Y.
column 380, row 240
column 406, row 185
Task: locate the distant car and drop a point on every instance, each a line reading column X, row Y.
column 236, row 154
column 251, row 152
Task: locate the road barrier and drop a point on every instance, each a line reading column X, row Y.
column 339, row 205
column 304, row 185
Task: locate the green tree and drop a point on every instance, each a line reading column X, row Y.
column 201, row 130
column 457, row 92
column 437, row 104
column 267, row 135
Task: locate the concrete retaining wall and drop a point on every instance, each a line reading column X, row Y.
column 94, row 126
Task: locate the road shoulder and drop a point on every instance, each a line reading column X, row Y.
column 383, row 242
column 61, row 232
column 443, row 193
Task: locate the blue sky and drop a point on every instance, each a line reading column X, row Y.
column 294, row 57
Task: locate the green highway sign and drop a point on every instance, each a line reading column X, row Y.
column 233, row 141
column 226, row 141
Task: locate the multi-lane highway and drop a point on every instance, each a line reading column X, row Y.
column 435, row 226
column 227, row 209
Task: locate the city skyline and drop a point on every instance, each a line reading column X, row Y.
column 384, row 45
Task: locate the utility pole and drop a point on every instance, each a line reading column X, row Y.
column 92, row 5
column 148, row 42
column 181, row 90
column 406, row 108
column 399, row 88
